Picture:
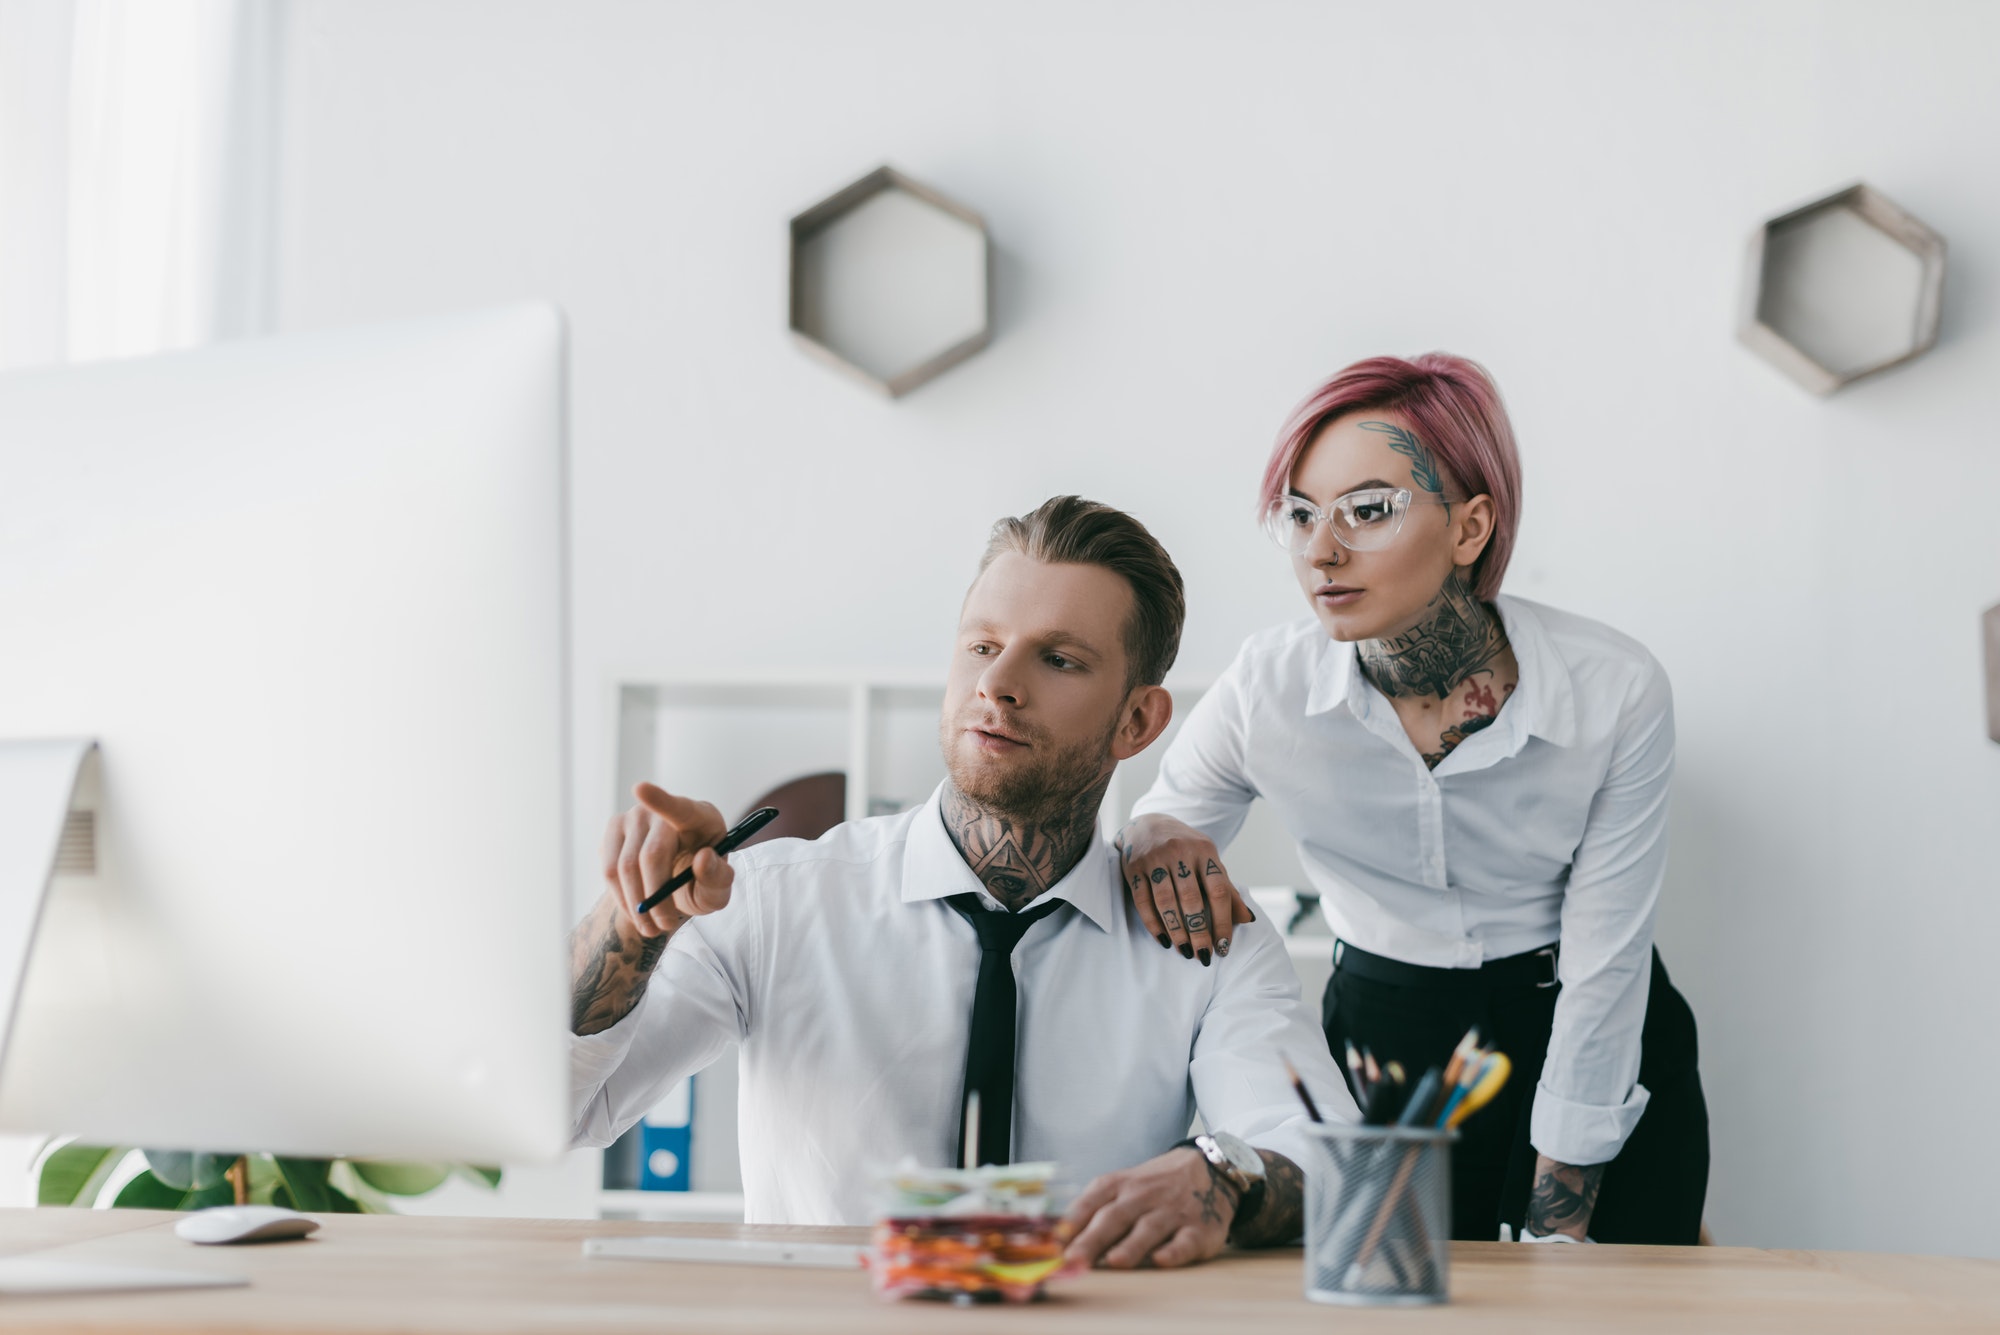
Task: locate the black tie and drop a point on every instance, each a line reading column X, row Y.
column 989, row 1058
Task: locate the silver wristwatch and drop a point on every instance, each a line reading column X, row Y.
column 1240, row 1165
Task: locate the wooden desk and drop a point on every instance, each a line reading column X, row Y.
column 377, row 1273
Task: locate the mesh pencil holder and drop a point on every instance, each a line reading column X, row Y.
column 1378, row 1215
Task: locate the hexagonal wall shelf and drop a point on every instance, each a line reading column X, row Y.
column 891, row 281
column 1841, row 288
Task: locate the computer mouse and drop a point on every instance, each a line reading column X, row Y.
column 244, row 1223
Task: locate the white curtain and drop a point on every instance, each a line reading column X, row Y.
column 34, row 180
column 138, row 197
column 138, row 174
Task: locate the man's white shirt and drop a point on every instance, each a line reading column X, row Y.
column 1551, row 822
column 848, row 980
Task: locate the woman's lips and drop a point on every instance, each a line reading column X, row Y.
column 1336, row 596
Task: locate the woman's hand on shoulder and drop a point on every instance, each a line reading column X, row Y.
column 1175, row 877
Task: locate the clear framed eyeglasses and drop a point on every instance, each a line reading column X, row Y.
column 1362, row 521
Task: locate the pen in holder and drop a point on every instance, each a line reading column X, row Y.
column 1378, row 1214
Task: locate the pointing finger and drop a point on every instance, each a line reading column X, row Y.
column 699, row 822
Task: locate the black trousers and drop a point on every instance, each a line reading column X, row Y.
column 1652, row 1192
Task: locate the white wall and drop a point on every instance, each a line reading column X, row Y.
column 1199, row 211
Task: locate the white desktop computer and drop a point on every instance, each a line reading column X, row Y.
column 283, row 744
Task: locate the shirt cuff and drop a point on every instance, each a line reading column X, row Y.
column 592, row 1059
column 1582, row 1134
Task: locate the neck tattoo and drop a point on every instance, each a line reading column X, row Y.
column 1456, row 637
column 1018, row 857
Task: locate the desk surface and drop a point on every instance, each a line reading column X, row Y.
column 379, row 1273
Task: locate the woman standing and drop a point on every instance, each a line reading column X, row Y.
column 1478, row 788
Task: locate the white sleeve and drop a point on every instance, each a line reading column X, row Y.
column 1202, row 776
column 1255, row 1022
column 1589, row 1098
column 695, row 1007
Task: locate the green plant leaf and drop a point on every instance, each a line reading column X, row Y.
column 304, row 1183
column 212, row 1170
column 396, row 1177
column 173, row 1168
column 264, row 1179
column 147, row 1192
column 190, row 1170
column 480, row 1173
column 74, row 1173
column 339, row 1202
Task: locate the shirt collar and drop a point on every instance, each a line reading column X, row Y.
column 1545, row 686
column 933, row 869
column 1543, row 706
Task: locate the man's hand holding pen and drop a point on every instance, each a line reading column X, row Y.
column 650, row 843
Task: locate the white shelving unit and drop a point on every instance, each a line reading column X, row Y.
column 729, row 742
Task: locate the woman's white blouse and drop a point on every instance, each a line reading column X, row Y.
column 1549, row 824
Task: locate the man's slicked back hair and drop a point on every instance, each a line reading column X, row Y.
column 1068, row 530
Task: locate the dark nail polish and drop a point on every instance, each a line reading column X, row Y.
column 1204, row 958
column 1187, row 951
column 1166, row 940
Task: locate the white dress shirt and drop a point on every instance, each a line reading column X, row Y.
column 1548, row 824
column 848, row 980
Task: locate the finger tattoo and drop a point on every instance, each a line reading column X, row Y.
column 1171, row 919
column 1159, row 874
column 1185, row 871
column 1213, row 870
column 1196, row 922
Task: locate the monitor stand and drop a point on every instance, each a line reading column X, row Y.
column 48, row 813
column 49, row 794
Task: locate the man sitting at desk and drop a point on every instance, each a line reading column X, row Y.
column 847, row 967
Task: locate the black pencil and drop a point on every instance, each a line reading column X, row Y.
column 1300, row 1086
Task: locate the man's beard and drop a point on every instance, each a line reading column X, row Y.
column 1035, row 793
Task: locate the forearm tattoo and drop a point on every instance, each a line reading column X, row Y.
column 1018, row 857
column 1563, row 1197
column 609, row 969
column 1280, row 1216
column 1457, row 636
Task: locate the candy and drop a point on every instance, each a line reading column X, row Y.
column 989, row 1234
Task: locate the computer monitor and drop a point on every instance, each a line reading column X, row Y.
column 309, row 596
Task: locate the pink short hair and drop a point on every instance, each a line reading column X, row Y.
column 1456, row 410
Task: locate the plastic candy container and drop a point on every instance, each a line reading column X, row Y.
column 968, row 1235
